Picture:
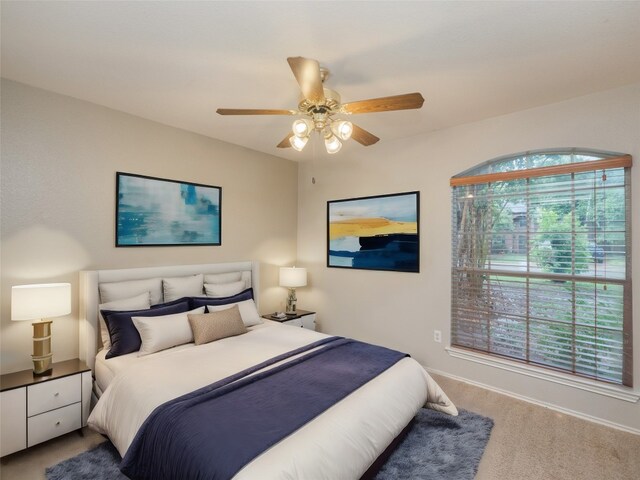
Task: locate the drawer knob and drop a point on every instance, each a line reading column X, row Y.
column 57, row 423
column 56, row 394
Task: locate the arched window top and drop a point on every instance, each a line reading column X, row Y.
column 539, row 163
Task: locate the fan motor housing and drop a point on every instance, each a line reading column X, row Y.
column 330, row 105
column 319, row 112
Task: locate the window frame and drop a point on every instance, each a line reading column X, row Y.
column 606, row 162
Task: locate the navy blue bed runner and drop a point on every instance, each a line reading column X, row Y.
column 213, row 432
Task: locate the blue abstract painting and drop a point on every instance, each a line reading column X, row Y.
column 374, row 233
column 155, row 212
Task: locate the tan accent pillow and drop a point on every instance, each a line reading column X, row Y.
column 208, row 327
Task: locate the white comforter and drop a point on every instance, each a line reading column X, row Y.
column 339, row 444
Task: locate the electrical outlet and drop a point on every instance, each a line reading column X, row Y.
column 437, row 336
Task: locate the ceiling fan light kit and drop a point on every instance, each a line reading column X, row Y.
column 333, row 132
column 319, row 105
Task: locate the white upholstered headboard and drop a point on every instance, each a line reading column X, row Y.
column 90, row 297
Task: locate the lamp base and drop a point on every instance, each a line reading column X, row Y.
column 291, row 302
column 42, row 348
column 42, row 365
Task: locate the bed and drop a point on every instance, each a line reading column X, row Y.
column 343, row 441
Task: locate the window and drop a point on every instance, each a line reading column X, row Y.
column 541, row 261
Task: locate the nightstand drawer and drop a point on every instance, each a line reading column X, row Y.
column 51, row 424
column 54, row 394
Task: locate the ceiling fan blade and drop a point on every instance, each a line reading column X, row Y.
column 307, row 73
column 285, row 141
column 363, row 137
column 254, row 111
column 385, row 104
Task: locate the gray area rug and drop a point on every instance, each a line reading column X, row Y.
column 438, row 446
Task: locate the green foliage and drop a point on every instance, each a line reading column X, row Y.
column 552, row 250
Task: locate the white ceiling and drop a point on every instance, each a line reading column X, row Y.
column 176, row 62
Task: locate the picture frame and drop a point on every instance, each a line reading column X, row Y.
column 380, row 232
column 155, row 212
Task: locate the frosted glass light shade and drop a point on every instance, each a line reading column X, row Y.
column 302, row 127
column 332, row 144
column 298, row 143
column 342, row 129
column 292, row 277
column 47, row 300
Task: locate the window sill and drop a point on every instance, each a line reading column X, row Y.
column 613, row 391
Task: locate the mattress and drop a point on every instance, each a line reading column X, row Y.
column 341, row 443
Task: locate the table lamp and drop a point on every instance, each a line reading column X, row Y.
column 292, row 277
column 31, row 302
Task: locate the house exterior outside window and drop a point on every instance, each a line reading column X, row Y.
column 541, row 261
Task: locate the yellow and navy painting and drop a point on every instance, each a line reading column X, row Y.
column 375, row 233
column 159, row 212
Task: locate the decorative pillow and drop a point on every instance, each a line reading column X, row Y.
column 119, row 290
column 177, row 287
column 218, row 278
column 219, row 290
column 139, row 302
column 202, row 301
column 160, row 333
column 124, row 336
column 248, row 311
column 171, row 303
column 214, row 326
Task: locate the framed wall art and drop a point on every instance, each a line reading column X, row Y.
column 159, row 212
column 375, row 233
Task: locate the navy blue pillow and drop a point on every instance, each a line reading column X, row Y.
column 124, row 335
column 197, row 302
column 171, row 303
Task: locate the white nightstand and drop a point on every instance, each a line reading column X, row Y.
column 35, row 409
column 302, row 318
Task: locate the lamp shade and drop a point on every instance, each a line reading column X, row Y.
column 47, row 300
column 292, row 277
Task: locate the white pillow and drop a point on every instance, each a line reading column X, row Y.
column 120, row 290
column 139, row 302
column 178, row 287
column 248, row 311
column 160, row 333
column 224, row 289
column 223, row 277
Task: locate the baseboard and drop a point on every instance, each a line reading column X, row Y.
column 550, row 406
column 601, row 388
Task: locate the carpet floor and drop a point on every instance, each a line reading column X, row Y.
column 438, row 446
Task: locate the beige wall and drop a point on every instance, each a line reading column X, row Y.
column 402, row 310
column 59, row 158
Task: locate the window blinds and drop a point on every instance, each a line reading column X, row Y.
column 541, row 267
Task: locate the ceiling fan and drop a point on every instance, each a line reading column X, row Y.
column 320, row 107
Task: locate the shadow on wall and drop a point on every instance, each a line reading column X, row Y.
column 40, row 254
